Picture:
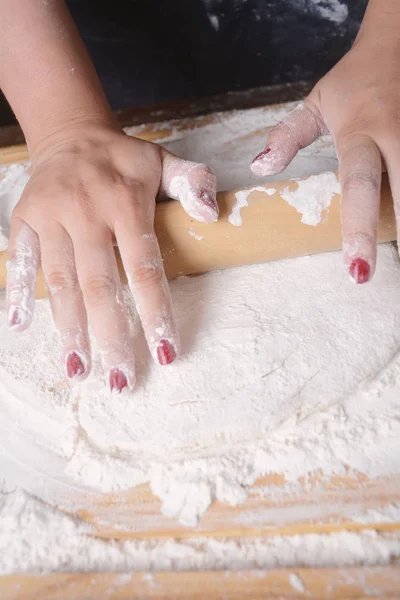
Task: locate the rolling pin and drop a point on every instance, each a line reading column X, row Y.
column 271, row 230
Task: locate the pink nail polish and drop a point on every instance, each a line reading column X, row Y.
column 118, row 381
column 360, row 270
column 261, row 156
column 165, row 353
column 208, row 199
column 75, row 366
column 16, row 318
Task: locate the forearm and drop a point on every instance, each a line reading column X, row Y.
column 45, row 71
column 381, row 22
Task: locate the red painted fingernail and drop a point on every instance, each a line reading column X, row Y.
column 16, row 318
column 360, row 270
column 165, row 353
column 208, row 199
column 118, row 381
column 261, row 155
column 75, row 366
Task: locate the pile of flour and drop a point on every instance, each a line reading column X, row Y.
column 36, row 538
column 287, row 368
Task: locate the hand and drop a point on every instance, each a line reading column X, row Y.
column 91, row 186
column 358, row 104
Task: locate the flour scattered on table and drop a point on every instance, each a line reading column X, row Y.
column 296, row 583
column 35, row 538
column 13, row 179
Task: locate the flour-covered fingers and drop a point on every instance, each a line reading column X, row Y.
column 360, row 169
column 193, row 184
column 142, row 261
column 99, row 281
column 22, row 267
column 298, row 130
column 58, row 264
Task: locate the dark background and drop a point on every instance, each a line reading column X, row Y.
column 158, row 51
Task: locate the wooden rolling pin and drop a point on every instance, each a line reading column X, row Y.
column 271, row 230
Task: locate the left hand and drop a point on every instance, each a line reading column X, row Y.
column 358, row 103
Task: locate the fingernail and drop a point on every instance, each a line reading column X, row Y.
column 208, row 200
column 359, row 270
column 261, row 156
column 75, row 366
column 15, row 318
column 118, row 381
column 165, row 353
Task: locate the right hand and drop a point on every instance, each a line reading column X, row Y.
column 92, row 185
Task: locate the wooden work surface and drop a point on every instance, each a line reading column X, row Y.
column 282, row 584
column 321, row 506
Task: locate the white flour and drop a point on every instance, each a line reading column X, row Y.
column 313, row 196
column 242, row 200
column 270, row 382
column 29, row 544
column 195, row 235
column 332, row 10
column 288, row 368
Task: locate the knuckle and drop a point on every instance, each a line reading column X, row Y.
column 99, row 289
column 148, row 275
column 292, row 137
column 361, row 181
column 59, row 279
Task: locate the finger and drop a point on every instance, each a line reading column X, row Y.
column 298, row 130
column 390, row 149
column 22, row 267
column 58, row 264
column 99, row 280
column 360, row 172
column 193, row 184
column 142, row 262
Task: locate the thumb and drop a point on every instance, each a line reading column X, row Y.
column 299, row 129
column 193, row 184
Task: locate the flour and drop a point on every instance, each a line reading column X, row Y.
column 195, row 235
column 242, row 197
column 214, row 20
column 332, row 10
column 313, row 196
column 290, row 394
column 13, row 179
column 35, row 538
column 296, row 583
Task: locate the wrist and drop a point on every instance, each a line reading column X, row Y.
column 68, row 127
